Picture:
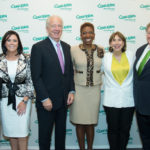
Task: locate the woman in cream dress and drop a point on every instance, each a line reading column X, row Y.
column 84, row 111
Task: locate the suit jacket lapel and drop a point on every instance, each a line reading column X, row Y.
column 139, row 53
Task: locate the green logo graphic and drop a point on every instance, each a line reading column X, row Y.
column 78, row 38
column 130, row 140
column 41, row 17
column 147, row 7
column 4, row 142
column 36, row 121
column 67, row 28
column 102, row 112
column 110, row 28
column 3, row 18
column 88, row 17
column 24, row 7
column 24, row 29
column 142, row 28
column 67, row 6
column 39, row 38
column 68, row 112
column 102, row 91
column 104, row 131
column 36, row 141
column 0, row 38
column 26, row 50
column 128, row 18
column 69, row 131
column 106, row 49
column 30, row 132
column 109, row 6
column 131, row 39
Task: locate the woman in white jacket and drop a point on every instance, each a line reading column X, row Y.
column 118, row 91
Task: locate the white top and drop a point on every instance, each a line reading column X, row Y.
column 142, row 56
column 12, row 67
column 116, row 95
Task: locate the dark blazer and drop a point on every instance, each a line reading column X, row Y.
column 47, row 76
column 142, row 85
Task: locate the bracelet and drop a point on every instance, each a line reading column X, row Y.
column 25, row 102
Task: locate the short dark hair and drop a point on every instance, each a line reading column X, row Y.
column 148, row 26
column 122, row 38
column 5, row 38
column 86, row 24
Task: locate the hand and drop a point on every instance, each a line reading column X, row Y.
column 47, row 104
column 21, row 108
column 70, row 98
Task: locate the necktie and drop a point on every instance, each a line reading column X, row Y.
column 60, row 57
column 143, row 62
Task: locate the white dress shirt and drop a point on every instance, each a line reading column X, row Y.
column 54, row 44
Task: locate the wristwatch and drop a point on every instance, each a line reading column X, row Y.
column 25, row 102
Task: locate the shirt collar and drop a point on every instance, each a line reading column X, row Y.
column 53, row 41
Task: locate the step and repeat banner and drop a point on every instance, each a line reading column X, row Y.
column 27, row 17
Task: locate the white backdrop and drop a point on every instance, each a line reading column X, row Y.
column 27, row 17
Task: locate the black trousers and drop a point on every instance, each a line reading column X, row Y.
column 46, row 121
column 119, row 122
column 144, row 129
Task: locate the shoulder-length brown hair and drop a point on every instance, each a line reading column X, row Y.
column 6, row 37
column 122, row 38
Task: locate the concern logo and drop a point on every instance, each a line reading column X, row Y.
column 26, row 50
column 108, row 6
column 68, row 131
column 87, row 17
column 41, row 17
column 131, row 17
column 24, row 7
column 142, row 28
column 131, row 39
column 36, row 141
column 78, row 38
column 24, row 29
column 39, row 38
column 108, row 28
column 67, row 28
column 101, row 112
column 0, row 38
column 106, row 49
column 130, row 140
column 146, row 7
column 66, row 6
column 3, row 18
column 4, row 142
column 101, row 131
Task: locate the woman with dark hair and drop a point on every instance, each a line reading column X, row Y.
column 87, row 58
column 17, row 91
column 118, row 91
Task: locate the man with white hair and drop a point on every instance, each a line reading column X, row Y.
column 52, row 75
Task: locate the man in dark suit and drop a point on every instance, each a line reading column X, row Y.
column 52, row 75
column 142, row 90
